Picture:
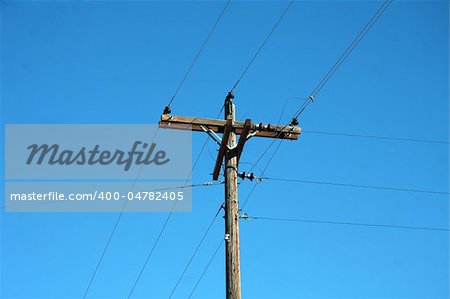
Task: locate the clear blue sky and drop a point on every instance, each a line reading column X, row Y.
column 120, row 62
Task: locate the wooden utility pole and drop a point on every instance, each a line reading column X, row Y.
column 233, row 271
column 231, row 152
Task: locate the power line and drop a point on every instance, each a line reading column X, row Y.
column 267, row 149
column 107, row 244
column 201, row 241
column 237, row 82
column 311, row 98
column 251, row 62
column 263, row 171
column 149, row 255
column 284, row 107
column 333, row 69
column 245, row 202
column 205, row 184
column 356, row 186
column 199, row 52
column 302, row 108
column 256, row 163
column 357, row 135
column 111, row 234
column 380, row 11
column 151, row 252
column 168, row 109
column 349, row 49
column 204, row 270
column 352, row 45
column 102, row 255
column 194, row 253
column 245, row 217
column 263, row 44
column 348, row 223
column 376, row 137
column 163, row 228
column 105, row 249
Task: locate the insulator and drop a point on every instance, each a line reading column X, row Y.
column 230, row 96
column 294, row 121
column 167, row 110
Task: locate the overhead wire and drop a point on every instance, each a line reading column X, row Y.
column 157, row 239
column 357, row 135
column 245, row 202
column 246, row 217
column 376, row 137
column 301, row 109
column 333, row 69
column 166, row 221
column 348, row 223
column 234, row 87
column 167, row 109
column 211, row 31
column 375, row 225
column 149, row 255
column 191, row 258
column 258, row 51
column 380, row 11
column 284, row 107
column 111, row 234
column 274, row 27
column 262, row 173
column 203, row 235
column 356, row 186
column 205, row 269
column 118, row 219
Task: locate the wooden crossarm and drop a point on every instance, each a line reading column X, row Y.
column 218, row 126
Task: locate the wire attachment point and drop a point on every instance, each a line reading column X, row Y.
column 230, row 96
column 244, row 216
column 294, row 121
column 167, row 110
column 244, row 176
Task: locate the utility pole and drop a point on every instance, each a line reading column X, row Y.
column 233, row 271
column 231, row 152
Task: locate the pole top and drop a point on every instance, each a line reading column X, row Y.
column 230, row 96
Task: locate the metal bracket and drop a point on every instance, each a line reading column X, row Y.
column 212, row 134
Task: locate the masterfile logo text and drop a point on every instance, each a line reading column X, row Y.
column 52, row 154
column 97, row 152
